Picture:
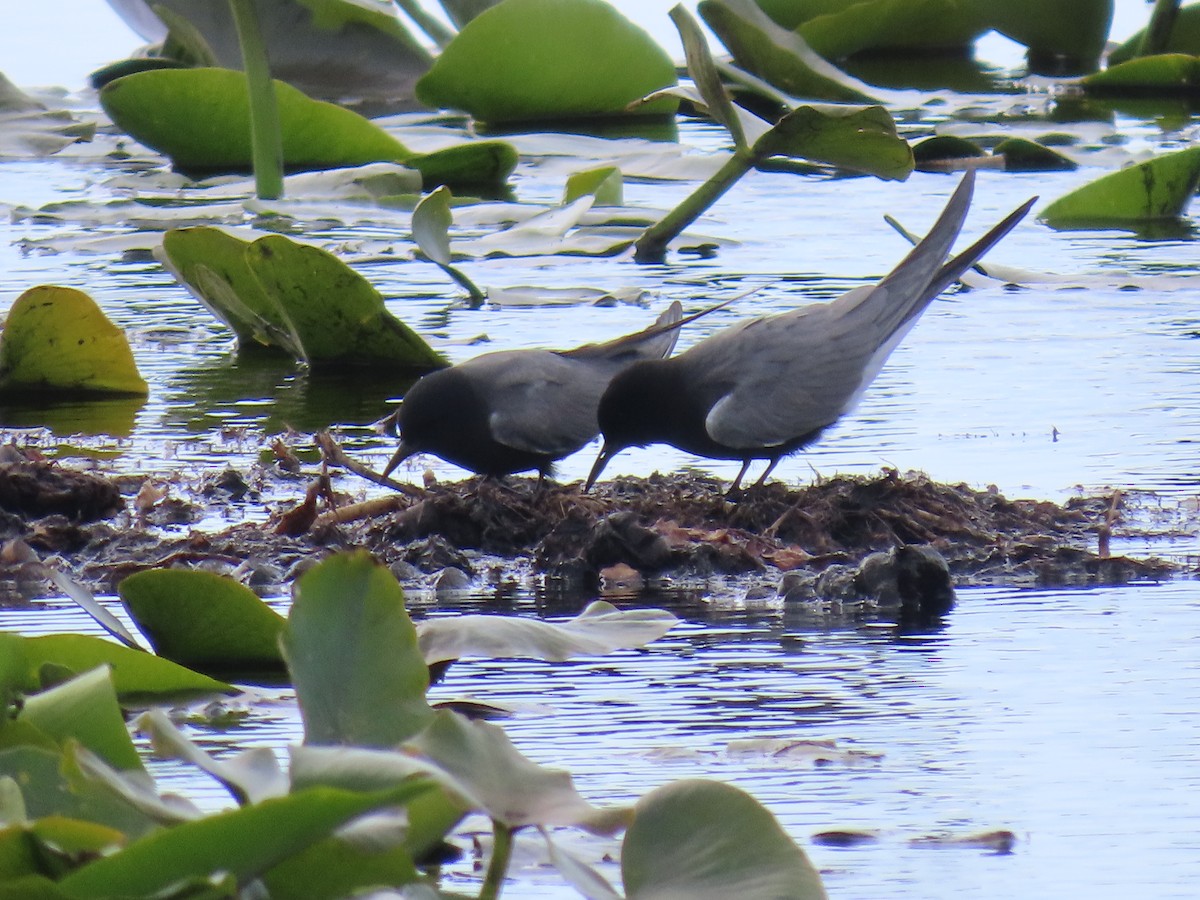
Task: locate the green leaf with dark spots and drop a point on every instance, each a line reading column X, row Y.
column 1160, row 188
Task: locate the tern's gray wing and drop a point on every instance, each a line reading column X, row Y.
column 655, row 342
column 800, row 371
column 540, row 401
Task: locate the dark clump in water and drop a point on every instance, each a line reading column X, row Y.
column 839, row 536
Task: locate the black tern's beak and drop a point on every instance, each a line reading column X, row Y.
column 403, row 452
column 598, row 466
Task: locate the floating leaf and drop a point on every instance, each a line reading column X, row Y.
column 200, row 118
column 1021, row 155
column 135, row 673
column 85, row 709
column 777, row 55
column 601, row 628
column 483, row 165
column 846, row 27
column 1160, row 188
column 337, row 314
column 690, row 839
column 56, row 340
column 353, row 655
column 204, row 621
column 605, row 184
column 945, row 147
column 1168, row 73
column 1185, row 37
column 574, row 58
column 244, row 843
column 510, row 787
column 859, row 138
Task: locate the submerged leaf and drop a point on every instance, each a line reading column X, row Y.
column 56, row 340
column 1160, row 188
column 548, row 59
column 710, row 841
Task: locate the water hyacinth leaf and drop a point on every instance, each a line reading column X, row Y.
column 777, row 55
column 135, row 673
column 1160, row 188
column 1167, row 73
column 526, row 60
column 85, row 709
column 244, row 842
column 709, row 841
column 200, row 118
column 605, row 184
column 204, row 621
column 857, row 138
column 211, row 263
column 250, row 776
column 601, row 628
column 846, row 27
column 57, row 341
column 510, row 787
column 1021, row 155
column 337, row 315
column 352, row 651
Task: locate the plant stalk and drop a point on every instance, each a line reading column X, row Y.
column 476, row 294
column 437, row 32
column 1158, row 33
column 502, row 837
column 265, row 139
column 651, row 247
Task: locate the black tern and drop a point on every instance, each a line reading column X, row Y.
column 516, row 410
column 766, row 387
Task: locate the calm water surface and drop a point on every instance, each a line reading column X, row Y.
column 1068, row 718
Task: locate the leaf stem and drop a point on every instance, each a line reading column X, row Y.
column 1158, row 33
column 477, row 295
column 502, row 837
column 651, row 247
column 265, row 139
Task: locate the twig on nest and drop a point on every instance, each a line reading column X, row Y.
column 333, row 455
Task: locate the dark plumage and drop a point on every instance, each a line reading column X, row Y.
column 516, row 410
column 768, row 386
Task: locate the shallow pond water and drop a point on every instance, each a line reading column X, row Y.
column 1065, row 717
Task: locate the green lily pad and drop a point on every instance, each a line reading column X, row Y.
column 200, row 118
column 1167, row 73
column 211, row 263
column 299, row 298
column 337, row 314
column 846, row 27
column 1185, row 37
column 135, row 674
column 526, row 60
column 605, row 184
column 858, row 138
column 205, row 621
column 245, row 842
column 944, row 147
column 1021, row 155
column 777, row 55
column 1067, row 34
column 85, row 709
column 57, row 341
column 690, row 839
column 475, row 164
column 1161, row 188
column 352, row 651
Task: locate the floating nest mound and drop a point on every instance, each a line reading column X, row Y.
column 632, row 528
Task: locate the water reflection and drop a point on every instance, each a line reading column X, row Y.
column 114, row 416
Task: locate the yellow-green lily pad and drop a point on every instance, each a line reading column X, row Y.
column 529, row 60
column 1161, row 188
column 1166, row 73
column 57, row 341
